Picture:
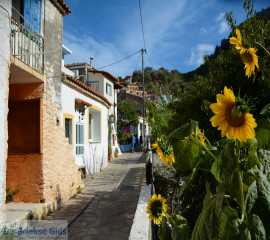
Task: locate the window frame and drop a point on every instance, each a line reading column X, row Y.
column 111, row 89
column 91, row 138
column 71, row 118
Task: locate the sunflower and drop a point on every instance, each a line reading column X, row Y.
column 201, row 137
column 237, row 41
column 233, row 123
column 157, row 208
column 165, row 153
column 250, row 60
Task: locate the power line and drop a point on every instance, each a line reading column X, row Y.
column 120, row 60
column 142, row 27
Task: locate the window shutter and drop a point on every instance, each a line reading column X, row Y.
column 27, row 13
column 32, row 14
column 36, row 6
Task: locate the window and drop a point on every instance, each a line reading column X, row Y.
column 90, row 125
column 28, row 12
column 94, row 125
column 108, row 89
column 79, row 138
column 68, row 129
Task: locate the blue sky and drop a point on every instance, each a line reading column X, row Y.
column 178, row 33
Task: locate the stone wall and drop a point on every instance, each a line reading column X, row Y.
column 60, row 174
column 5, row 12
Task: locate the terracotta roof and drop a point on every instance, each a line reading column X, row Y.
column 86, row 89
column 63, row 8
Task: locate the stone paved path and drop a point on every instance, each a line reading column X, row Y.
column 106, row 207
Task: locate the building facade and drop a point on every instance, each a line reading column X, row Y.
column 85, row 118
column 105, row 84
column 38, row 163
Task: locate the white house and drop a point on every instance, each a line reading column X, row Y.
column 85, row 118
column 105, row 84
column 88, row 104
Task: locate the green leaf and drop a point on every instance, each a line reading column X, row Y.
column 245, row 235
column 206, row 225
column 251, row 197
column 228, row 224
column 181, row 232
column 235, row 188
column 186, row 155
column 229, row 158
column 180, row 228
column 164, row 231
column 262, row 205
column 252, row 157
column 256, row 228
column 216, row 169
column 265, row 110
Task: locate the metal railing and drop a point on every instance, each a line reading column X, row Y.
column 94, row 85
column 26, row 45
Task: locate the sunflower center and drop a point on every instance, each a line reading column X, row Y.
column 247, row 57
column 234, row 117
column 156, row 208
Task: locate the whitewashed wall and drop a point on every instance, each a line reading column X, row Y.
column 110, row 98
column 5, row 13
column 96, row 154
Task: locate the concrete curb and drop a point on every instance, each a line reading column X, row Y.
column 141, row 227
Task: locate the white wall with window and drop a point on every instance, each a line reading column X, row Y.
column 95, row 128
column 94, row 125
column 108, row 87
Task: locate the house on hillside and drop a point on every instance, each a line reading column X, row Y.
column 85, row 114
column 37, row 163
column 132, row 94
column 106, row 85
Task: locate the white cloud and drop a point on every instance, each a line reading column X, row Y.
column 199, row 52
column 223, row 27
column 103, row 53
column 158, row 22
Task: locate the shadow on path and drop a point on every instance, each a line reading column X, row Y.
column 106, row 207
column 110, row 214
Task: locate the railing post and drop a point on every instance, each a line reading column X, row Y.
column 26, row 45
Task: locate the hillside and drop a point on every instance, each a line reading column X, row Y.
column 169, row 80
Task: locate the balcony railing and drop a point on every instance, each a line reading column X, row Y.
column 94, row 85
column 27, row 45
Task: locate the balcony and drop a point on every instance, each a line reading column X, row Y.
column 94, row 85
column 27, row 48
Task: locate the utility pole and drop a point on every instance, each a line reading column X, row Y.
column 143, row 51
column 91, row 60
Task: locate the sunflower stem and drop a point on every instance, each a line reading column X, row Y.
column 209, row 152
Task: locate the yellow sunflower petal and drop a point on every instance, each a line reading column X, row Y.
column 233, row 126
column 238, row 34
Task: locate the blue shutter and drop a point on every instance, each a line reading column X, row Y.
column 36, row 6
column 32, row 14
column 27, row 13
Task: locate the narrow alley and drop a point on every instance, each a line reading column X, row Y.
column 106, row 206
